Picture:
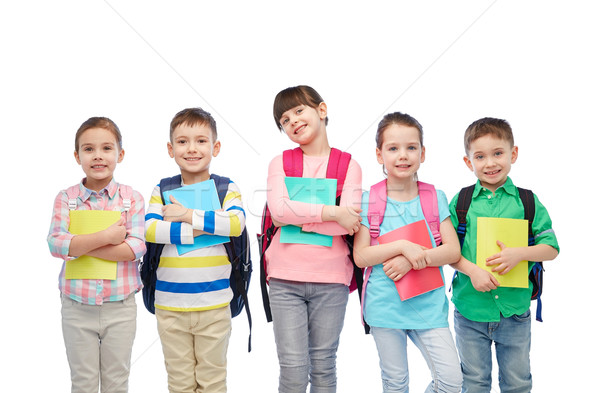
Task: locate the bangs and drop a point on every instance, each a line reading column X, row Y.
column 292, row 97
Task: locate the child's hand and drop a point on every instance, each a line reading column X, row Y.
column 416, row 255
column 176, row 212
column 482, row 280
column 505, row 260
column 198, row 232
column 116, row 233
column 396, row 267
column 349, row 218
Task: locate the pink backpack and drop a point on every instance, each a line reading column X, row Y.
column 337, row 167
column 376, row 212
column 125, row 192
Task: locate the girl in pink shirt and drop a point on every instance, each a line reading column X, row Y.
column 309, row 283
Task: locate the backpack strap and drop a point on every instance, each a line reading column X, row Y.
column 377, row 203
column 429, row 205
column 126, row 193
column 222, row 185
column 169, row 183
column 73, row 195
column 536, row 276
column 462, row 207
column 529, row 211
column 337, row 168
column 293, row 162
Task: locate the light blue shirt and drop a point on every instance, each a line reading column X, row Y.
column 383, row 307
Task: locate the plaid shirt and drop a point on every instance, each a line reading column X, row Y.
column 59, row 239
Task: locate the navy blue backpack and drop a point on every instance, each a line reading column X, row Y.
column 238, row 251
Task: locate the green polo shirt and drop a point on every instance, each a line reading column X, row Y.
column 506, row 203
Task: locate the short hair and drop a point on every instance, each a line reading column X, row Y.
column 498, row 128
column 291, row 97
column 397, row 118
column 99, row 122
column 192, row 117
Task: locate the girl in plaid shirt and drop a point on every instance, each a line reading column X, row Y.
column 99, row 314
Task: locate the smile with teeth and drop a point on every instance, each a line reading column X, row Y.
column 492, row 173
column 297, row 130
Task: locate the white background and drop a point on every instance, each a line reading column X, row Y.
column 535, row 64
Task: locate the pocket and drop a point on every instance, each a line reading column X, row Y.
column 525, row 317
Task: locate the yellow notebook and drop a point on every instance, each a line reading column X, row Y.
column 84, row 222
column 511, row 232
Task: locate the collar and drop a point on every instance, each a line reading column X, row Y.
column 508, row 187
column 110, row 189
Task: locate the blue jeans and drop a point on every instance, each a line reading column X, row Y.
column 512, row 337
column 437, row 347
column 307, row 321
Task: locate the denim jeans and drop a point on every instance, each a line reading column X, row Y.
column 437, row 347
column 512, row 337
column 307, row 321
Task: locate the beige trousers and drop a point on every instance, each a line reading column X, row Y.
column 195, row 348
column 98, row 340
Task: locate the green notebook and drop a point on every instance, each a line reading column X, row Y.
column 309, row 190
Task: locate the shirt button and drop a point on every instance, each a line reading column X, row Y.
column 489, row 197
column 496, row 297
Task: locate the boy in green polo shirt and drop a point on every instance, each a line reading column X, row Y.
column 486, row 313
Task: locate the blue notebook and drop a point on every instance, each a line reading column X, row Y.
column 310, row 190
column 202, row 196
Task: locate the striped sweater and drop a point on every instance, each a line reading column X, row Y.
column 197, row 280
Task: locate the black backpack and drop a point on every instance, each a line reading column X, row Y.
column 536, row 275
column 238, row 252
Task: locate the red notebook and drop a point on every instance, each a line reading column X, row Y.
column 415, row 282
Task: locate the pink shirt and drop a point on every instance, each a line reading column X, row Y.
column 302, row 262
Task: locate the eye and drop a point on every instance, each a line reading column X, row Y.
column 498, row 153
column 393, row 148
column 180, row 141
column 479, row 157
column 88, row 149
column 284, row 121
column 108, row 148
column 299, row 111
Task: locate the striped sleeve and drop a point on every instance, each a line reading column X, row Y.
column 230, row 221
column 164, row 232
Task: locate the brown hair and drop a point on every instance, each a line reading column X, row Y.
column 99, row 122
column 291, row 97
column 192, row 117
column 397, row 118
column 498, row 128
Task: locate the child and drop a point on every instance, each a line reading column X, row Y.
column 423, row 318
column 192, row 290
column 99, row 315
column 309, row 283
column 486, row 313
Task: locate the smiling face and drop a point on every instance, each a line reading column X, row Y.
column 98, row 154
column 193, row 148
column 401, row 152
column 304, row 124
column 490, row 158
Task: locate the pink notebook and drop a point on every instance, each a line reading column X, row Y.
column 415, row 282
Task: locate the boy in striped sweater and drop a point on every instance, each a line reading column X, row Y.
column 192, row 290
